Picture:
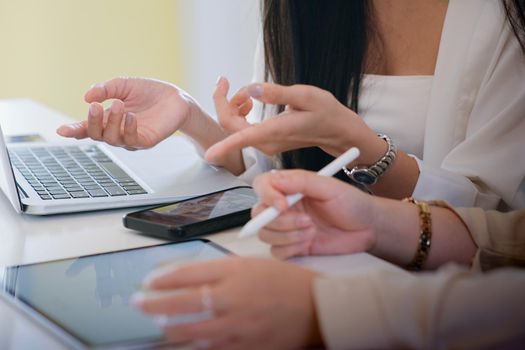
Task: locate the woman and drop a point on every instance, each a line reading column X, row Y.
column 465, row 121
column 267, row 304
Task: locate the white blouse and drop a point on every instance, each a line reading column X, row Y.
column 472, row 152
column 388, row 102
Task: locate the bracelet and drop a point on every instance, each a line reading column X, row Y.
column 425, row 224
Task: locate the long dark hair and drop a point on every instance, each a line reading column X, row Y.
column 324, row 43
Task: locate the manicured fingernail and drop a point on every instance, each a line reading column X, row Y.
column 116, row 107
column 129, row 118
column 138, row 299
column 303, row 221
column 255, row 90
column 74, row 126
column 218, row 80
column 92, row 109
column 280, row 204
column 278, row 177
column 156, row 274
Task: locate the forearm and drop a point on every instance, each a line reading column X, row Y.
column 205, row 131
column 397, row 229
column 385, row 308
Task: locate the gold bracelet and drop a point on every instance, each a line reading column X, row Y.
column 425, row 227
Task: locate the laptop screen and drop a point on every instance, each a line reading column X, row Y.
column 7, row 178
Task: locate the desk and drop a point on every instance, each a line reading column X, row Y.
column 27, row 239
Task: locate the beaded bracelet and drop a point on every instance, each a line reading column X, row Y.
column 425, row 224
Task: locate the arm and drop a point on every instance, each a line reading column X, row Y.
column 447, row 309
column 335, row 218
column 143, row 113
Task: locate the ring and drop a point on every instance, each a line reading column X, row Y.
column 206, row 299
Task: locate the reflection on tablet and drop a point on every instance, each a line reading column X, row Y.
column 89, row 296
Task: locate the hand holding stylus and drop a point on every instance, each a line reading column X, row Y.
column 255, row 224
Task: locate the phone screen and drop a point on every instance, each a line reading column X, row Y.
column 202, row 208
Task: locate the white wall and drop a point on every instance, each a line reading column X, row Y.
column 217, row 38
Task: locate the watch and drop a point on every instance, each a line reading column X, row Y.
column 369, row 175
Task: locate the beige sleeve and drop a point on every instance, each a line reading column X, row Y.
column 451, row 308
column 492, row 231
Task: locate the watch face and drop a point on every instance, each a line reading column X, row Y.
column 363, row 176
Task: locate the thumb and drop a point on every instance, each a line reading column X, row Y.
column 272, row 187
column 115, row 88
column 301, row 97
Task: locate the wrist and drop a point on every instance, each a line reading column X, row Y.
column 394, row 226
column 190, row 124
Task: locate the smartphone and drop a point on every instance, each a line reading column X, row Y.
column 195, row 216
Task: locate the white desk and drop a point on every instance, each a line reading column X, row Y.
column 27, row 239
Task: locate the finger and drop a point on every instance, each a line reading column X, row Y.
column 280, row 238
column 220, row 99
column 268, row 194
column 258, row 208
column 114, row 88
column 302, row 97
column 288, row 251
column 214, row 331
column 227, row 112
column 271, row 136
column 169, row 302
column 76, row 130
column 192, row 275
column 245, row 108
column 95, row 121
column 112, row 131
column 249, row 136
column 308, row 183
column 130, row 130
column 239, row 98
column 223, row 343
column 290, row 220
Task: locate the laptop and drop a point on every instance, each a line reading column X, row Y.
column 41, row 178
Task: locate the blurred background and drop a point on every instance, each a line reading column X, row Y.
column 54, row 50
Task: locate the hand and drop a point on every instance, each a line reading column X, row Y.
column 332, row 218
column 258, row 304
column 313, row 117
column 231, row 114
column 143, row 113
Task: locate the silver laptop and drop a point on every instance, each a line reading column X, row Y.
column 48, row 178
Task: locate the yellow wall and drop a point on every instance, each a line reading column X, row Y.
column 53, row 50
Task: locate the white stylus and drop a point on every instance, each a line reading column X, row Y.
column 265, row 217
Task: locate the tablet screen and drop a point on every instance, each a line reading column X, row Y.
column 88, row 297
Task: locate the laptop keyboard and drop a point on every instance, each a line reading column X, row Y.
column 71, row 172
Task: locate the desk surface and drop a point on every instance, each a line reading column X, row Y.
column 27, row 239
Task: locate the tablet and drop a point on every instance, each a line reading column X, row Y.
column 85, row 301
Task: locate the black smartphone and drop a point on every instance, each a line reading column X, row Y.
column 195, row 216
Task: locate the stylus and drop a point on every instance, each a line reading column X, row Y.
column 265, row 217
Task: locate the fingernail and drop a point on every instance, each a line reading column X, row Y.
column 156, row 274
column 303, row 221
column 255, row 90
column 129, row 118
column 74, row 126
column 92, row 109
column 116, row 107
column 280, row 204
column 138, row 299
